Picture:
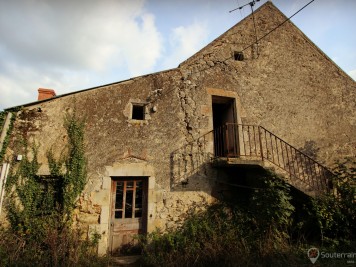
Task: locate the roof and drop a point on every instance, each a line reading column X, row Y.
column 266, row 5
column 85, row 90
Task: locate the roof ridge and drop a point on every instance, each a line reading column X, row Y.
column 265, row 5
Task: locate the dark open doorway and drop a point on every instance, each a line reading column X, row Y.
column 225, row 126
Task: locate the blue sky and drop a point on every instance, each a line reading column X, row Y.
column 71, row 45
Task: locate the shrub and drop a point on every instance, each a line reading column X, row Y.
column 336, row 212
column 227, row 234
column 257, row 233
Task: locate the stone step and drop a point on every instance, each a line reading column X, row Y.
column 127, row 261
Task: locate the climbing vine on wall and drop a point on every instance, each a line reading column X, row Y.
column 75, row 175
column 2, row 118
column 24, row 194
column 3, row 115
column 34, row 202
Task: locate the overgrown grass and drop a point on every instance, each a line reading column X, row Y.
column 226, row 236
column 221, row 236
column 59, row 247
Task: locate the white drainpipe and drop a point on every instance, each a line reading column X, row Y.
column 5, row 128
column 5, row 166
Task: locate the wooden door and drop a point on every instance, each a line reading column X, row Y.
column 128, row 212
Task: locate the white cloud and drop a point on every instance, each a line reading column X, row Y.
column 71, row 44
column 145, row 48
column 352, row 74
column 20, row 83
column 13, row 90
column 186, row 41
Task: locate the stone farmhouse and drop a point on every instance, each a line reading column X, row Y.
column 161, row 143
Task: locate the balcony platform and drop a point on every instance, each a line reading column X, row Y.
column 238, row 161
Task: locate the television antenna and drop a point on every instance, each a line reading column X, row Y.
column 251, row 4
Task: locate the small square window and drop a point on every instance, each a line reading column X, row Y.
column 138, row 112
column 239, row 56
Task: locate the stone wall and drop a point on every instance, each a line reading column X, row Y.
column 116, row 146
column 284, row 83
column 290, row 86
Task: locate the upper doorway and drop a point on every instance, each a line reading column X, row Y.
column 225, row 126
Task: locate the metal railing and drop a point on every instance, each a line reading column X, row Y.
column 190, row 159
column 249, row 142
column 252, row 141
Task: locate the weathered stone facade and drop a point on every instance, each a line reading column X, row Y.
column 284, row 83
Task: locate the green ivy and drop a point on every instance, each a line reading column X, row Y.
column 35, row 202
column 25, row 196
column 74, row 163
column 2, row 118
column 3, row 115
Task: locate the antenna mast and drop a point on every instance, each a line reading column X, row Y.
column 251, row 4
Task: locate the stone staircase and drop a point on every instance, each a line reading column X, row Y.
column 237, row 144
